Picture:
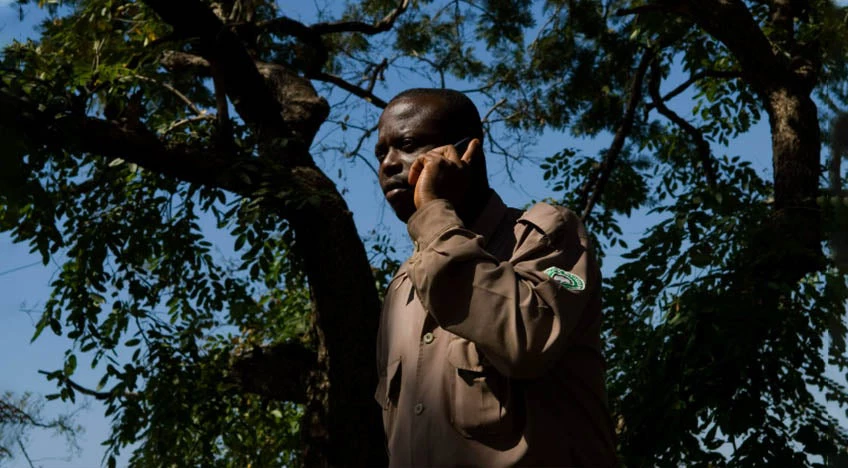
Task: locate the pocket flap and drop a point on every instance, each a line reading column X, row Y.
column 545, row 217
column 463, row 354
column 386, row 383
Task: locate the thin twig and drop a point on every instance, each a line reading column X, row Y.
column 497, row 148
column 439, row 68
column 367, row 163
column 703, row 148
column 700, row 76
column 605, row 169
column 349, row 87
column 376, row 73
column 180, row 123
column 176, row 92
column 26, row 455
column 485, row 118
column 355, row 152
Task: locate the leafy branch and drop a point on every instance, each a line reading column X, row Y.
column 703, row 148
column 698, row 77
column 285, row 24
column 592, row 190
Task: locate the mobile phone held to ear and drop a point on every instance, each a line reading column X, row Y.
column 462, row 145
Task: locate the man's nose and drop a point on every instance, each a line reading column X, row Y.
column 392, row 164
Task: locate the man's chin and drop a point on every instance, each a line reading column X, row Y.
column 404, row 208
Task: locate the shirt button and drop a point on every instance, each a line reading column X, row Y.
column 428, row 338
column 419, row 408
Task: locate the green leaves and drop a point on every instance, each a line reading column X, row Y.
column 70, row 364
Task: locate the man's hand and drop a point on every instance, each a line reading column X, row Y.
column 443, row 173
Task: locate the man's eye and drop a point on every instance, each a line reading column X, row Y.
column 408, row 145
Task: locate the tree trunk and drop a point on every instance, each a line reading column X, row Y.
column 342, row 424
column 796, row 145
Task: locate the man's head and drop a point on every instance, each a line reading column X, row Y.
column 413, row 123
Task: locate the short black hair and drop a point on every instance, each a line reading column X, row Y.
column 459, row 104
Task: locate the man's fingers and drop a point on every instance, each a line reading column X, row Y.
column 415, row 171
column 449, row 152
column 420, row 164
column 471, row 150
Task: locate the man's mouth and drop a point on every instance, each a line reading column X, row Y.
column 395, row 188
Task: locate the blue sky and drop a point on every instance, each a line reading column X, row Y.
column 24, row 281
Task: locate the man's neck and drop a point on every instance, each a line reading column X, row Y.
column 474, row 207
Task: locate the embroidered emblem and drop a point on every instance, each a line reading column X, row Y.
column 565, row 279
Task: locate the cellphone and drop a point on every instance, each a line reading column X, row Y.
column 462, row 145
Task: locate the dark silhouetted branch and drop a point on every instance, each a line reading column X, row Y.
column 698, row 77
column 85, row 391
column 383, row 25
column 604, row 171
column 175, row 60
column 376, row 73
column 136, row 144
column 245, row 86
column 349, row 87
column 492, row 109
column 703, row 148
column 26, row 455
column 176, row 92
column 290, row 27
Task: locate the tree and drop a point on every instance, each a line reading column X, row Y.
column 19, row 415
column 718, row 329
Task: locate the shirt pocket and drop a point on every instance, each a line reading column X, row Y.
column 388, row 387
column 388, row 391
column 481, row 401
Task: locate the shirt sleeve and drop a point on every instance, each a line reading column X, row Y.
column 520, row 312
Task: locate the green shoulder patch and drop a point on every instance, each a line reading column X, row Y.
column 566, row 279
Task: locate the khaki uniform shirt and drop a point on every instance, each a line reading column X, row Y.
column 484, row 358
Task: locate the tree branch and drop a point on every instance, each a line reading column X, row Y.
column 730, row 22
column 492, row 109
column 703, row 148
column 375, row 74
column 85, row 391
column 700, row 76
column 15, row 415
column 82, row 134
column 26, row 455
column 602, row 174
column 175, row 60
column 191, row 105
column 349, row 87
column 245, row 86
column 180, row 123
column 355, row 152
column 383, row 25
column 782, row 18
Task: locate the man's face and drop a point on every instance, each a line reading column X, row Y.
column 408, row 128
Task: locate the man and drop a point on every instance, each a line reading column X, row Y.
column 489, row 341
